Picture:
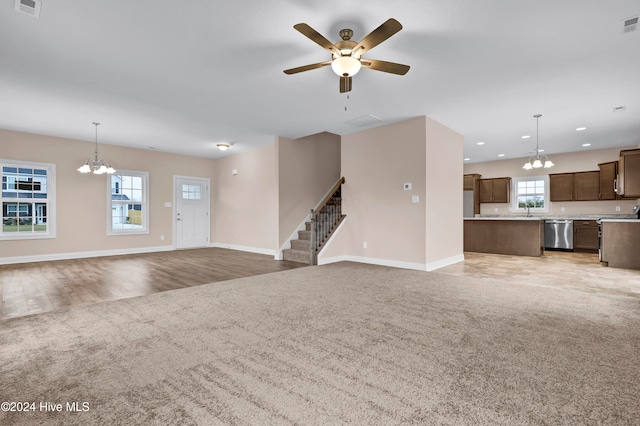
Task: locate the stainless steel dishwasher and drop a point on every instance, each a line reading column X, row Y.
column 558, row 234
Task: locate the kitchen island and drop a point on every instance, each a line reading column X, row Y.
column 621, row 243
column 519, row 236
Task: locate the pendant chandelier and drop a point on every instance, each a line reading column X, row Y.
column 95, row 164
column 537, row 161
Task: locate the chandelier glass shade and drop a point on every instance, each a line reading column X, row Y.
column 537, row 161
column 95, row 164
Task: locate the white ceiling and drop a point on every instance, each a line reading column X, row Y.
column 183, row 75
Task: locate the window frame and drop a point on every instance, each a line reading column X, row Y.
column 144, row 202
column 50, row 201
column 514, row 195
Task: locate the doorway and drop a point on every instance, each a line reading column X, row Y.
column 191, row 212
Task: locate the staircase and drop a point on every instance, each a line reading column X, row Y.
column 300, row 250
column 324, row 221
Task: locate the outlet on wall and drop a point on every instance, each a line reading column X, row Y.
column 161, row 237
column 364, row 244
column 617, row 208
column 562, row 209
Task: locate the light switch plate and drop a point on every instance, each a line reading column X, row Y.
column 234, row 172
column 415, row 199
column 167, row 203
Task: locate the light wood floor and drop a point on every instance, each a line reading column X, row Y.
column 40, row 287
column 32, row 288
column 580, row 271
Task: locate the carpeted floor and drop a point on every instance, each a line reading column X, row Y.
column 335, row 344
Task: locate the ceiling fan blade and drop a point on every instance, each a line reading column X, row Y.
column 317, row 38
column 377, row 36
column 390, row 67
column 345, row 84
column 307, row 67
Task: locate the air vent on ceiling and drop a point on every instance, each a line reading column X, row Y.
column 629, row 25
column 620, row 108
column 30, row 7
column 365, row 120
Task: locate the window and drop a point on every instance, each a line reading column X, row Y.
column 531, row 194
column 191, row 192
column 28, row 200
column 128, row 203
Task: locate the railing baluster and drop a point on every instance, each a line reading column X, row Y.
column 324, row 220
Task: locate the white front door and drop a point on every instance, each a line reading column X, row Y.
column 192, row 212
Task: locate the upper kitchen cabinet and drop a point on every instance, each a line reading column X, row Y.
column 561, row 187
column 608, row 174
column 470, row 181
column 496, row 190
column 628, row 184
column 586, row 186
column 580, row 186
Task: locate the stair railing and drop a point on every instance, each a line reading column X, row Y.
column 324, row 219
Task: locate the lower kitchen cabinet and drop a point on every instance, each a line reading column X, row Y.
column 620, row 243
column 585, row 235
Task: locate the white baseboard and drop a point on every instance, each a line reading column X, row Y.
column 394, row 263
column 257, row 250
column 431, row 266
column 81, row 255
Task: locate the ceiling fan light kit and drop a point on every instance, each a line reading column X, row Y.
column 346, row 55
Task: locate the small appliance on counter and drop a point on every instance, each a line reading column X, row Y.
column 636, row 210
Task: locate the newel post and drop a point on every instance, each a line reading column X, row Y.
column 314, row 238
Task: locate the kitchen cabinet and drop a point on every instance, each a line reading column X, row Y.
column 620, row 243
column 628, row 184
column 585, row 235
column 579, row 186
column 496, row 190
column 561, row 187
column 608, row 174
column 470, row 181
column 586, row 186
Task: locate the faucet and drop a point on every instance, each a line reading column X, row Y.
column 528, row 210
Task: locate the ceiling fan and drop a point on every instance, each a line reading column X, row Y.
column 347, row 54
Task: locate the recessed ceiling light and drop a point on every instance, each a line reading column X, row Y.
column 526, row 137
column 480, row 143
column 586, row 144
column 500, row 155
column 467, row 159
column 579, row 129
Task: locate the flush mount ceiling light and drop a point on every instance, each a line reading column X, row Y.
column 95, row 164
column 223, row 146
column 537, row 161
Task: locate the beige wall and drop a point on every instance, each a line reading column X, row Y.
column 443, row 203
column 246, row 205
column 376, row 163
column 569, row 162
column 307, row 169
column 81, row 199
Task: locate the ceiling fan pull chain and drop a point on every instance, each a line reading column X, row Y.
column 345, row 104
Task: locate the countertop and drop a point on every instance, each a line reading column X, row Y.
column 604, row 217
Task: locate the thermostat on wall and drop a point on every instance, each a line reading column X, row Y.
column 407, row 186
